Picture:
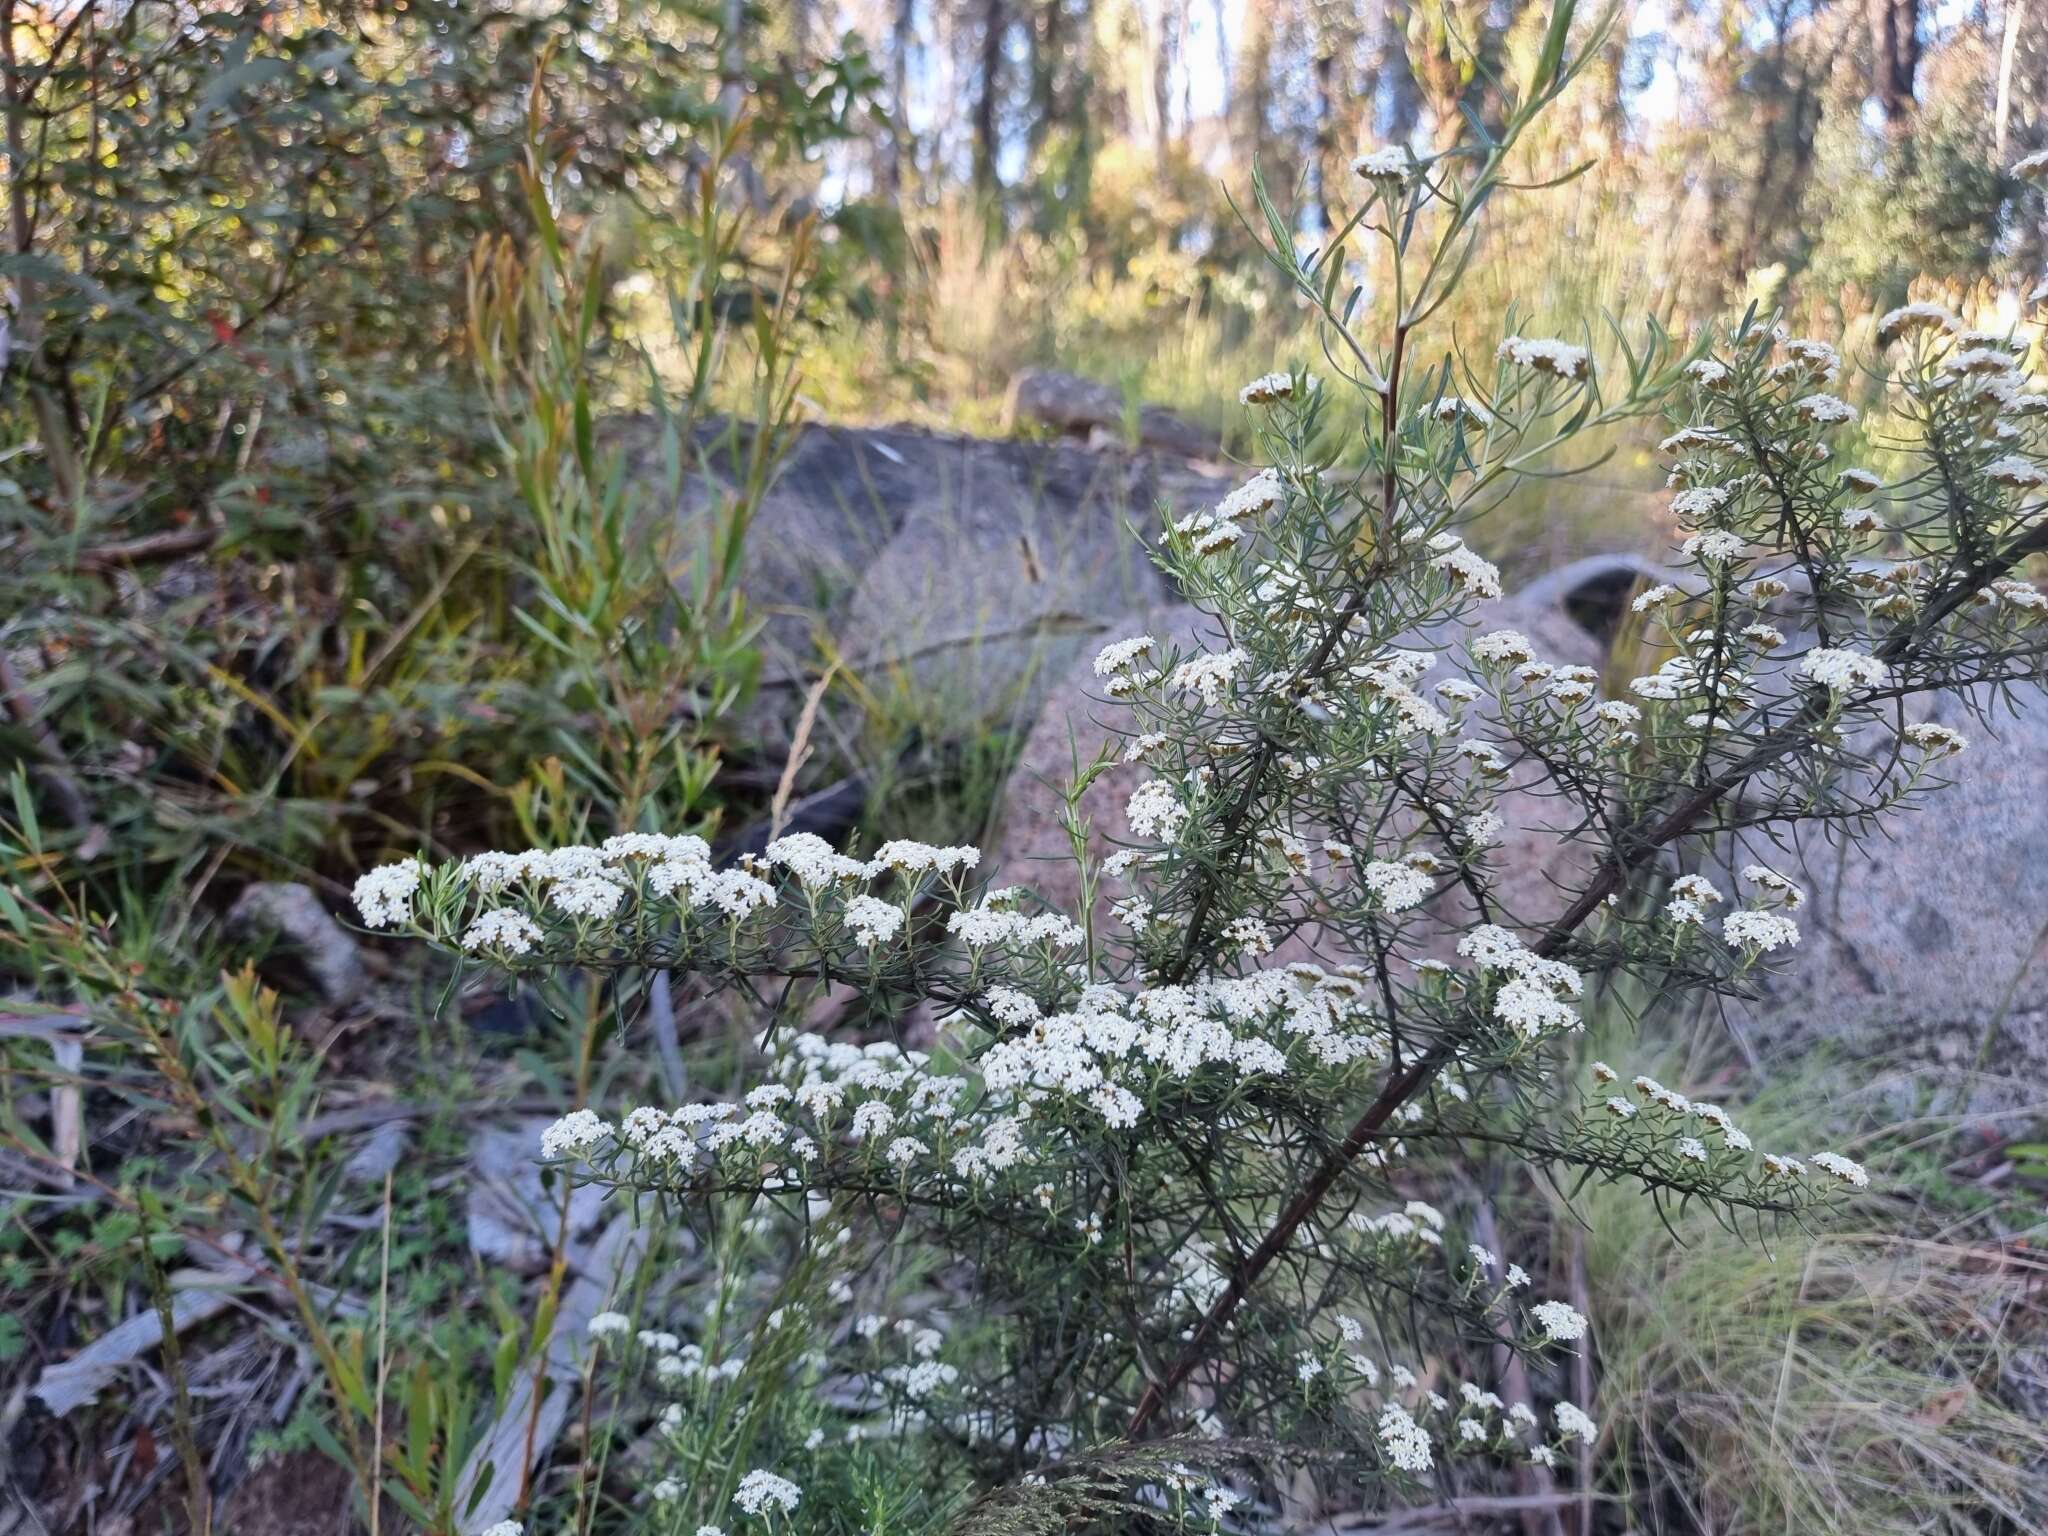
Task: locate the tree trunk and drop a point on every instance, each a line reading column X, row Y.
column 1162, row 78
column 1894, row 56
column 1255, row 81
column 994, row 24
column 896, row 146
column 2001, row 116
column 1326, row 125
column 1393, row 77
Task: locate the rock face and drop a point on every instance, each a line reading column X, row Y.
column 297, row 922
column 971, row 570
column 1068, row 403
column 1567, row 615
column 1928, row 945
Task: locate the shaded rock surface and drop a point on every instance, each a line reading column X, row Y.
column 1564, row 614
column 1066, row 402
column 967, row 569
column 1928, row 944
column 514, row 1217
column 297, row 924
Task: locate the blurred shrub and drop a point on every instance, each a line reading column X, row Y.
column 269, row 584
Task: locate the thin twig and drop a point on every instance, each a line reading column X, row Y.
column 1582, row 1376
column 799, row 751
column 1635, row 847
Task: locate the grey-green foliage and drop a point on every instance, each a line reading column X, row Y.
column 266, row 558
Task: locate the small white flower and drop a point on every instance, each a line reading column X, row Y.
column 1559, row 1322
column 586, row 896
column 608, row 1325
column 1935, row 740
column 1456, row 410
column 1715, row 546
column 1118, row 655
column 1574, row 1423
column 575, row 1134
column 1502, row 647
column 1396, row 887
column 760, row 1490
column 1267, row 388
column 2018, row 472
column 873, row 920
column 1915, row 317
column 1464, row 569
column 510, row 933
column 384, row 896
column 1761, row 932
column 1557, row 358
column 1841, row 1168
column 1841, row 669
column 1656, row 597
column 1824, row 410
column 1391, row 165
column 1405, row 1441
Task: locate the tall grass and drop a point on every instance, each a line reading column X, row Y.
column 1882, row 1376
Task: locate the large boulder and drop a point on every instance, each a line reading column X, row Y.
column 1569, row 615
column 1925, row 948
column 969, row 570
column 1079, row 407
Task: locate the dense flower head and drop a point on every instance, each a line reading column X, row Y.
column 2017, row 471
column 384, row 896
column 1559, row 1321
column 1841, row 668
column 1911, row 318
column 1558, row 358
column 1760, row 931
column 507, row 933
column 1392, row 164
column 761, row 1491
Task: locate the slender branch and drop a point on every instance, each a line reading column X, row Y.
column 1637, row 847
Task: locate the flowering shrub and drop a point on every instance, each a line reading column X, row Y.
column 1162, row 1162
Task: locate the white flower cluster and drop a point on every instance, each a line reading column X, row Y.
column 1267, row 388
column 1670, row 1125
column 518, row 903
column 1222, row 527
column 1114, row 1048
column 761, row 1491
column 1558, row 358
column 1842, row 669
column 1535, row 997
column 1393, row 164
column 384, row 896
column 1466, row 571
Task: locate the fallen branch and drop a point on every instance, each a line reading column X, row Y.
column 168, row 545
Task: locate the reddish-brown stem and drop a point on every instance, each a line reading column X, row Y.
column 1632, row 850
